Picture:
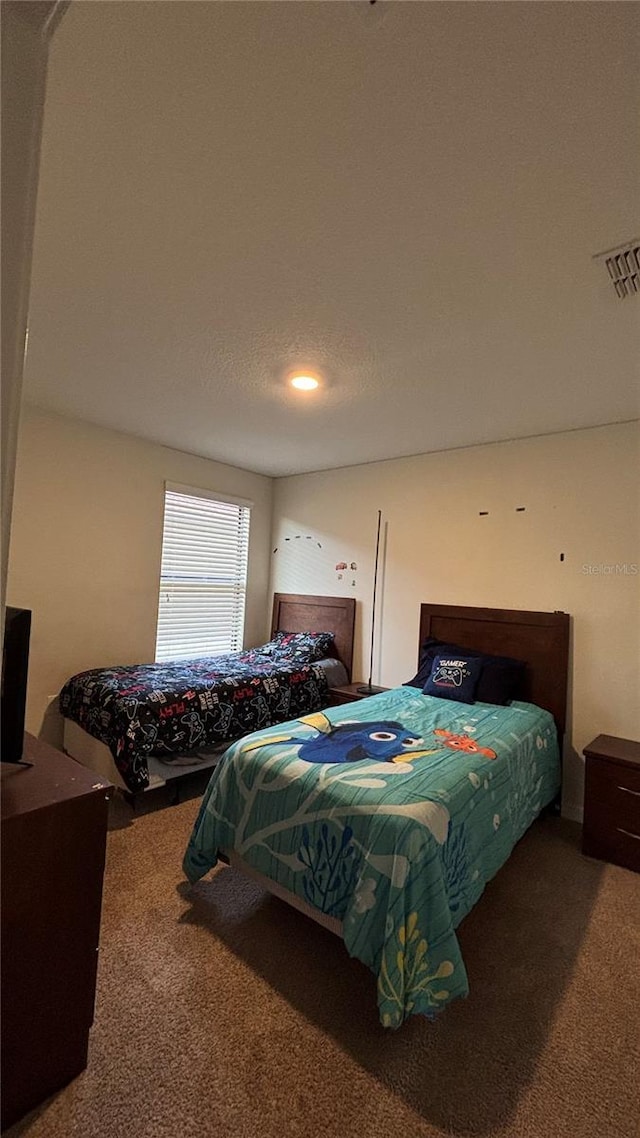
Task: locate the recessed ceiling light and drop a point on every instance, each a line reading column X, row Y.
column 304, row 382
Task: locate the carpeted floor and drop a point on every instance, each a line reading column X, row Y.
column 223, row 1012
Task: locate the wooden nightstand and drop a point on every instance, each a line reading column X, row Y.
column 348, row 693
column 612, row 801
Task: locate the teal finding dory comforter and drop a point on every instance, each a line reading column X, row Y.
column 390, row 815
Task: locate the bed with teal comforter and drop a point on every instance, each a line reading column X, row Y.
column 391, row 815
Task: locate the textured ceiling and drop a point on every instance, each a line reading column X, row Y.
column 405, row 200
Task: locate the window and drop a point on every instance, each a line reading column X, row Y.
column 203, row 576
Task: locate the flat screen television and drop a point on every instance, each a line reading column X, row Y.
column 15, row 663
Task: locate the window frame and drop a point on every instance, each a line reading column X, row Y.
column 166, row 652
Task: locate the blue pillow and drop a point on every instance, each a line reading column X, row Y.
column 502, row 678
column 454, row 677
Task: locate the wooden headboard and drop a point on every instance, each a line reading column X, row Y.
column 296, row 612
column 541, row 639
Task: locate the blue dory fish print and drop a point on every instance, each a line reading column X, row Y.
column 384, row 740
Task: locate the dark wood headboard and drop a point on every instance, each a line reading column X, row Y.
column 296, row 612
column 541, row 639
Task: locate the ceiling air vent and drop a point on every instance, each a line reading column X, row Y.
column 623, row 266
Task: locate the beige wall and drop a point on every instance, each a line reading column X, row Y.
column 87, row 530
column 580, row 490
column 86, row 543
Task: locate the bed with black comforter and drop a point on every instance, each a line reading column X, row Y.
column 170, row 708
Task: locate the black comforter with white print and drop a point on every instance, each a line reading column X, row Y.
column 179, row 706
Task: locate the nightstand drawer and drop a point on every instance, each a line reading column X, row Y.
column 617, row 845
column 612, row 812
column 613, row 791
column 336, row 699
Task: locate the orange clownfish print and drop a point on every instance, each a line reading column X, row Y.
column 464, row 743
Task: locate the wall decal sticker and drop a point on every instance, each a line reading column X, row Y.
column 342, row 565
column 298, row 536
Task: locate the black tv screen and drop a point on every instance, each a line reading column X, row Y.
column 15, row 663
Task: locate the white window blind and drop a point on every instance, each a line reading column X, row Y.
column 203, row 576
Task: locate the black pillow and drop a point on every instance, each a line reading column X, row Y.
column 501, row 680
column 430, row 649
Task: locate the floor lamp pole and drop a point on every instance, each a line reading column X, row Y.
column 368, row 688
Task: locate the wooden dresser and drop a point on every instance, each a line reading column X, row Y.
column 612, row 801
column 54, row 827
